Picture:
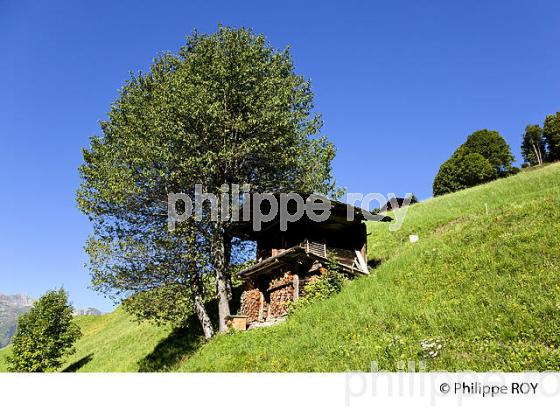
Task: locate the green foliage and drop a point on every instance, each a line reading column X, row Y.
column 492, row 146
column 329, row 282
column 483, row 284
column 514, row 171
column 228, row 108
column 533, row 145
column 153, row 305
column 45, row 335
column 551, row 134
column 156, row 276
column 484, row 156
column 462, row 171
column 116, row 342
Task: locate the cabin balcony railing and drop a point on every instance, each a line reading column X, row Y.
column 315, row 248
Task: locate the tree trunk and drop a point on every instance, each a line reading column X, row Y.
column 203, row 317
column 227, row 261
column 219, row 256
column 537, row 154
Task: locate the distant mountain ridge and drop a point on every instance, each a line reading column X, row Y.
column 13, row 306
column 87, row 312
column 18, row 300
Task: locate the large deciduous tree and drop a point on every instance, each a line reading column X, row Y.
column 462, row 171
column 484, row 156
column 492, row 146
column 551, row 134
column 226, row 109
column 45, row 335
column 533, row 145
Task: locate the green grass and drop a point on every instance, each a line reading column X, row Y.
column 484, row 283
column 483, row 280
column 112, row 343
column 3, row 354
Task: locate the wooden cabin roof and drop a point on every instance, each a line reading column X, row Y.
column 286, row 257
column 400, row 202
column 338, row 219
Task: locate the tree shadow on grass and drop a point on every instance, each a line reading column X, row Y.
column 168, row 352
column 183, row 341
column 74, row 367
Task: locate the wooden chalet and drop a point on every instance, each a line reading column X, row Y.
column 287, row 260
column 400, row 202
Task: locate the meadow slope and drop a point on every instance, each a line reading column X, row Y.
column 483, row 282
column 479, row 291
column 111, row 343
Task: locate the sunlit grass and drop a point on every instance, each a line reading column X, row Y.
column 483, row 282
column 110, row 343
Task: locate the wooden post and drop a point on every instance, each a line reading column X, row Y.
column 364, row 234
column 296, row 287
column 261, row 307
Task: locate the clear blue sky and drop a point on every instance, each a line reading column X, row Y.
column 400, row 85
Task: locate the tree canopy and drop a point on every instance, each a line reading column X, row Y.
column 492, row 146
column 533, row 146
column 228, row 108
column 484, row 156
column 45, row 335
column 551, row 134
column 462, row 171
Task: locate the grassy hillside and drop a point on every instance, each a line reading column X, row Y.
column 483, row 282
column 114, row 343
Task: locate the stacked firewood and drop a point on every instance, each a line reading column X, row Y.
column 287, row 279
column 251, row 304
column 279, row 299
column 281, row 291
column 258, row 307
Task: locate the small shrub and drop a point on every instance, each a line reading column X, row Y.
column 462, row 171
column 484, row 156
column 45, row 335
column 329, row 282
